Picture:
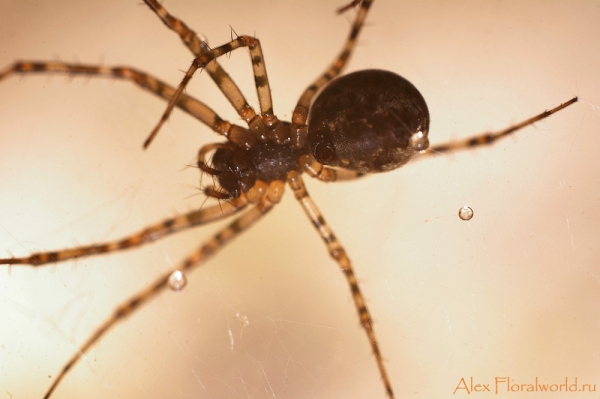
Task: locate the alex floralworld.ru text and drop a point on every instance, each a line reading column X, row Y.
column 507, row 385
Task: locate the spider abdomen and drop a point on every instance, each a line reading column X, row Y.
column 367, row 121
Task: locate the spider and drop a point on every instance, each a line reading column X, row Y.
column 238, row 189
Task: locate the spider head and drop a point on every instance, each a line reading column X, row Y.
column 233, row 169
column 368, row 121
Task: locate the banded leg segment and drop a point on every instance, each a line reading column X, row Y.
column 214, row 69
column 196, row 259
column 275, row 130
column 145, row 236
column 491, row 137
column 325, row 173
column 299, row 130
column 337, row 252
column 195, row 108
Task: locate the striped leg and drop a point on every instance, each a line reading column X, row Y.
column 348, row 6
column 197, row 109
column 145, row 236
column 275, row 130
column 194, row 260
column 489, row 138
column 300, row 114
column 338, row 253
column 325, row 173
column 216, row 72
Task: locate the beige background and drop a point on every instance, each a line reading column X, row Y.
column 514, row 292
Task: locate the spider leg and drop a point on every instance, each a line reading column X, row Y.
column 194, row 260
column 348, row 6
column 275, row 130
column 145, row 236
column 491, row 137
column 337, row 252
column 325, row 173
column 299, row 116
column 198, row 46
column 197, row 109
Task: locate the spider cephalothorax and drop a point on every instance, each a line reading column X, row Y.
column 237, row 169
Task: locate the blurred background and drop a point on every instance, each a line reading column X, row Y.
column 514, row 292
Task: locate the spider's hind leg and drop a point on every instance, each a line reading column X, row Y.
column 491, row 137
column 299, row 129
column 326, row 173
column 337, row 252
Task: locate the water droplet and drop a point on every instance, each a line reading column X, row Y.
column 419, row 141
column 465, row 213
column 177, row 281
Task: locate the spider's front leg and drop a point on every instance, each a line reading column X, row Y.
column 149, row 234
column 269, row 199
column 236, row 134
column 223, row 81
column 275, row 130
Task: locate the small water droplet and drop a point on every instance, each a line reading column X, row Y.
column 419, row 141
column 177, row 281
column 465, row 213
